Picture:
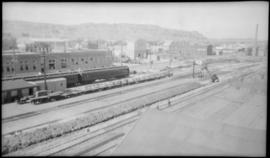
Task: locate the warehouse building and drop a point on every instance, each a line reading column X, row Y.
column 29, row 63
column 15, row 89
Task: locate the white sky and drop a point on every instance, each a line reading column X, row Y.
column 214, row 20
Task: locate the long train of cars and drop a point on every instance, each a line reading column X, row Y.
column 87, row 76
column 46, row 96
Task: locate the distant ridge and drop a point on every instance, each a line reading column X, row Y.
column 121, row 31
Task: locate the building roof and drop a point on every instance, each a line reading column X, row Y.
column 8, row 53
column 49, row 80
column 15, row 84
column 48, row 40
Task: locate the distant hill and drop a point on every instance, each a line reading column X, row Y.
column 95, row 31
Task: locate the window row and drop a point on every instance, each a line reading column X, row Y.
column 22, row 68
column 51, row 64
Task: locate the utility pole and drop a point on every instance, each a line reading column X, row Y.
column 121, row 53
column 44, row 49
column 44, row 66
column 151, row 62
column 170, row 62
column 14, row 62
column 193, row 74
column 65, row 46
column 255, row 41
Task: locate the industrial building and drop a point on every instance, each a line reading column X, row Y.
column 15, row 89
column 14, row 64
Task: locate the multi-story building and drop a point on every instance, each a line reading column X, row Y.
column 141, row 49
column 130, row 49
column 56, row 45
column 32, row 63
column 182, row 49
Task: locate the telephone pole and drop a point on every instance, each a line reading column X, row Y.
column 44, row 48
column 14, row 61
column 121, row 53
column 44, row 67
column 255, row 51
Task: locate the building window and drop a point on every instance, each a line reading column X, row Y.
column 51, row 64
column 21, row 68
column 7, row 69
column 34, row 67
column 63, row 63
column 82, row 59
column 12, row 69
column 86, row 62
column 26, row 67
column 72, row 60
column 91, row 59
column 76, row 63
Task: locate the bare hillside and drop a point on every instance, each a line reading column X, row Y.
column 98, row 31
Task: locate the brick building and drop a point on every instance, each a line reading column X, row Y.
column 14, row 64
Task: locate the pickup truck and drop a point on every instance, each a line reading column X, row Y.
column 46, row 96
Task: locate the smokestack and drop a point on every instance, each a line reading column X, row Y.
column 255, row 53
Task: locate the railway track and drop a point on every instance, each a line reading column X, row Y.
column 76, row 103
column 112, row 145
column 77, row 138
column 116, row 104
column 182, row 102
column 127, row 101
column 105, row 143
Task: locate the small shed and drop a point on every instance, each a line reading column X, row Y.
column 15, row 89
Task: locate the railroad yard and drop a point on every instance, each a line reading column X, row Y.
column 127, row 116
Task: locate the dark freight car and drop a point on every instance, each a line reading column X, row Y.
column 72, row 80
column 108, row 73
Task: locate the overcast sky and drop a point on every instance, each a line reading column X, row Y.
column 214, row 20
